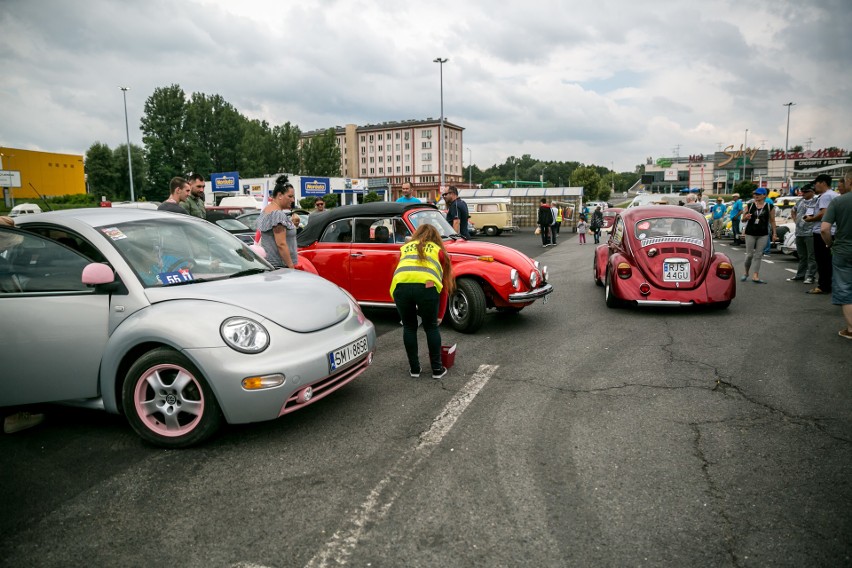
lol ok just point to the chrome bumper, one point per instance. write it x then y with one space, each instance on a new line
663 303
522 297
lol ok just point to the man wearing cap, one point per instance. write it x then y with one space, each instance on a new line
736 215
838 216
719 217
822 187
805 236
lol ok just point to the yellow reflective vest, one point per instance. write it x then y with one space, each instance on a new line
558 214
412 270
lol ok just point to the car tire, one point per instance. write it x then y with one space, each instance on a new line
609 295
595 271
467 306
163 412
490 231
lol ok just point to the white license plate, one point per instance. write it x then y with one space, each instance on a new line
676 271
340 357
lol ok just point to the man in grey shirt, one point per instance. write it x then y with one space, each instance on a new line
178 192
804 236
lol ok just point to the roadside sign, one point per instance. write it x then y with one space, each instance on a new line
10 178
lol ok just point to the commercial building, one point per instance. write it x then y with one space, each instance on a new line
30 174
719 172
392 153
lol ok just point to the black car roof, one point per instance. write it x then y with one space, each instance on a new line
319 221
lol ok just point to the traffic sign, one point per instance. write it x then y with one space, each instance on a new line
10 178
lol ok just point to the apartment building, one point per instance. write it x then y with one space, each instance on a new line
392 153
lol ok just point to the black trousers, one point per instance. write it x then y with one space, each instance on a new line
414 300
823 259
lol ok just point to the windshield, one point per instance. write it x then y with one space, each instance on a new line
673 227
434 218
164 251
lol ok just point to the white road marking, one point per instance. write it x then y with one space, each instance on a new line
339 547
793 270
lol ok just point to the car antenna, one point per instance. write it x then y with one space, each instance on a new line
46 204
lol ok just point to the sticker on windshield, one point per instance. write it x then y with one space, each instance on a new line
183 275
114 233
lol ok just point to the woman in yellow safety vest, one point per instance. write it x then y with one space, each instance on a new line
421 284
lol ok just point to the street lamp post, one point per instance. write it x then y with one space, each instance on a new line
441 62
127 131
787 144
469 167
745 147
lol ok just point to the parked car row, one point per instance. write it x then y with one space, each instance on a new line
181 326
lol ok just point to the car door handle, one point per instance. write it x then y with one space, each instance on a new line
356 254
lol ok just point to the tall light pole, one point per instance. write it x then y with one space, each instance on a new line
745 146
441 143
469 167
127 131
787 144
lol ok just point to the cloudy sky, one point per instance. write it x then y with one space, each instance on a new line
602 82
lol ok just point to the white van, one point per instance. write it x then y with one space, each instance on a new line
491 215
24 209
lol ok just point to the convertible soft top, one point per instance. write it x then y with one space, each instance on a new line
319 221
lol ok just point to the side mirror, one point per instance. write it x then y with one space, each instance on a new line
258 250
97 273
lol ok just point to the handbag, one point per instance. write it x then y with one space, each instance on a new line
538 230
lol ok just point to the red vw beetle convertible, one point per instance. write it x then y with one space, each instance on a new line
662 255
357 248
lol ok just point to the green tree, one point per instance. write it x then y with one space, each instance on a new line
226 132
164 136
101 170
140 181
745 188
589 179
258 150
321 155
198 128
371 196
286 138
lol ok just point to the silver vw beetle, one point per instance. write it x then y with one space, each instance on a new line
169 320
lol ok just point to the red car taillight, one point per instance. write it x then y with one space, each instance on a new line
724 270
623 270
645 288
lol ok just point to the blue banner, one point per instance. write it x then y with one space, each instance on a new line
226 181
317 186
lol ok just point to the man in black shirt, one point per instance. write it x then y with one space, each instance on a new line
178 192
457 212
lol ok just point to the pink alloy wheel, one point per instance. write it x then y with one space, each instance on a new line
169 400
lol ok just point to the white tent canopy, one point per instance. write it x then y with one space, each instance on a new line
549 192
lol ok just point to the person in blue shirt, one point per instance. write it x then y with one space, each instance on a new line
718 212
406 195
736 214
457 212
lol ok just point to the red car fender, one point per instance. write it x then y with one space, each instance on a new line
306 265
495 278
602 257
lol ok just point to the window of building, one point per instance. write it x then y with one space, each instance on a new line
408 169
397 136
372 171
398 169
363 171
380 136
427 168
363 149
372 159
371 138
381 170
426 145
406 135
407 146
426 134
426 156
381 159
398 148
363 138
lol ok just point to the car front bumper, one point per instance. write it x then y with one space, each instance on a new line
530 295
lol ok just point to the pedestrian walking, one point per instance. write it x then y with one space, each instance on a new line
719 211
421 284
759 218
581 230
838 215
597 224
544 221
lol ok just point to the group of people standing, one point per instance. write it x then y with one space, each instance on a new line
549 221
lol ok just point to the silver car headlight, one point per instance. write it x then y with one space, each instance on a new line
244 335
544 273
513 276
533 278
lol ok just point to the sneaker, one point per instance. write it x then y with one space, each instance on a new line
794 278
809 280
439 374
21 421
845 333
414 374
816 290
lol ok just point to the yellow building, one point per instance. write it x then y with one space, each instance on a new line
49 173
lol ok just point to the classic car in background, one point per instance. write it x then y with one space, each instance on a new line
662 255
357 248
168 320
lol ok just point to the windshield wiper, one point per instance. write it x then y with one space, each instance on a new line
247 272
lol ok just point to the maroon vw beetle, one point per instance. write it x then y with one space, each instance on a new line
662 255
357 248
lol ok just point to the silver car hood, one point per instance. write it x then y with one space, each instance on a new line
293 299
